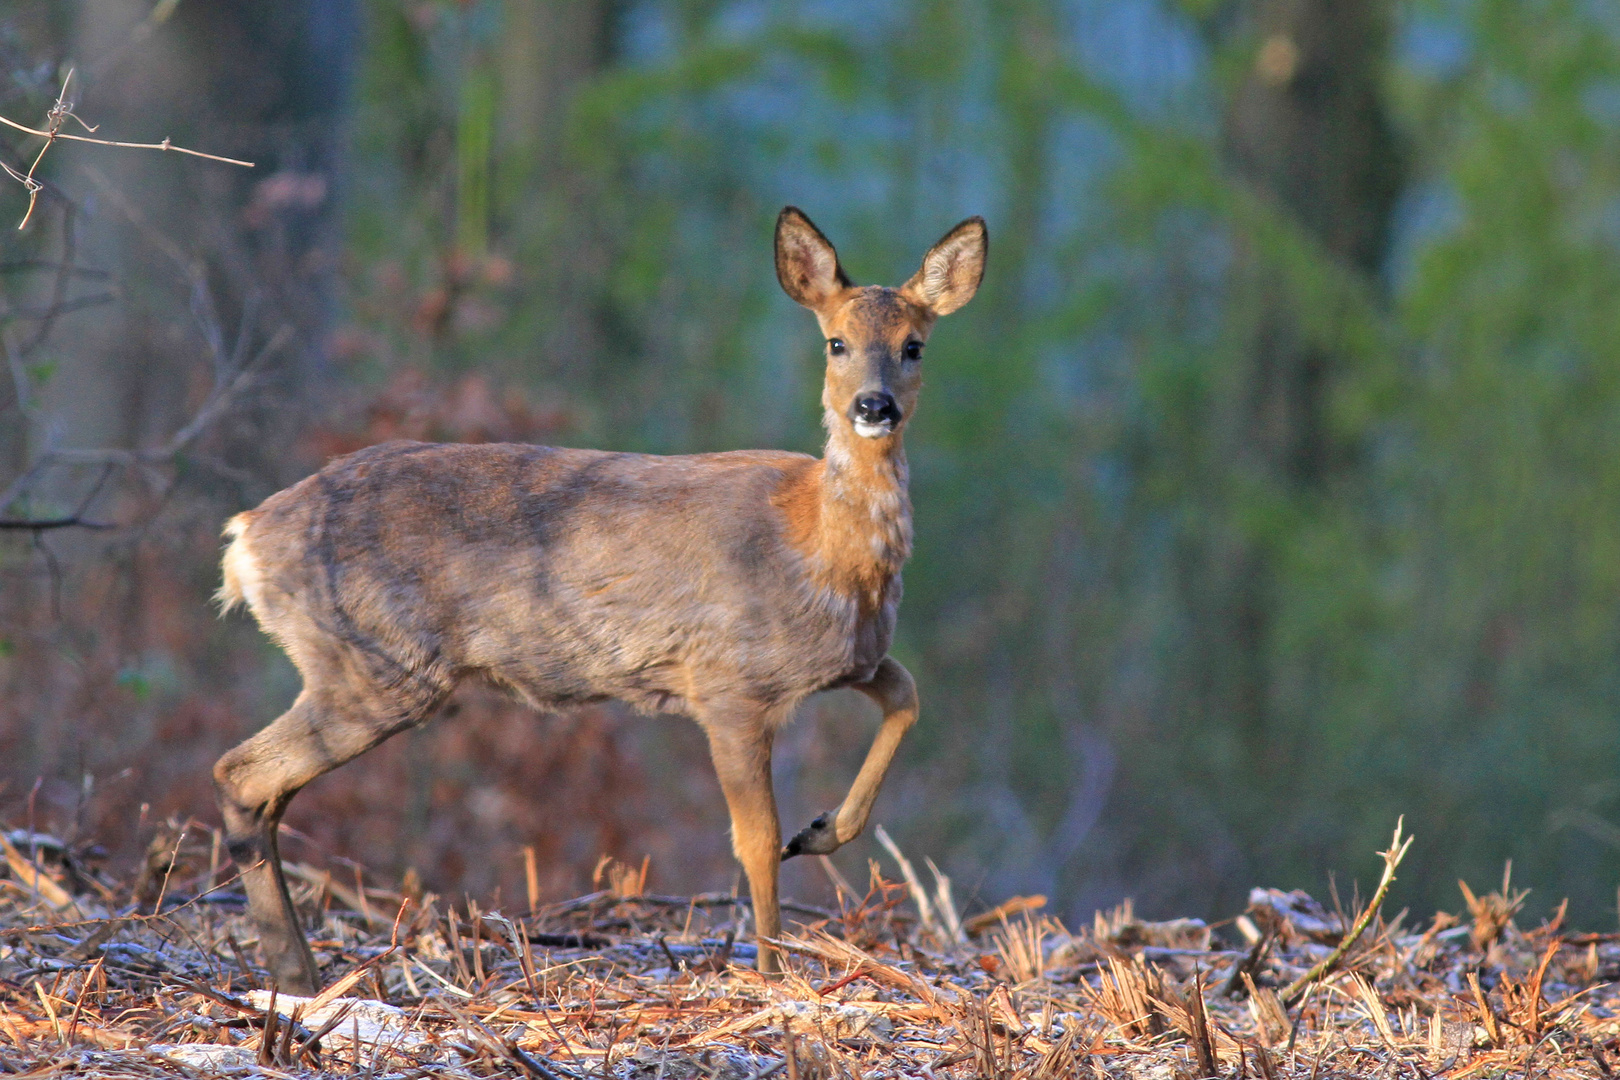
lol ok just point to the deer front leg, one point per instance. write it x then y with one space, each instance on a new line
740 744
895 692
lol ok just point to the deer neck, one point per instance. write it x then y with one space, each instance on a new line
863 528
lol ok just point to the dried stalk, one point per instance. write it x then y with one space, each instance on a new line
1392 858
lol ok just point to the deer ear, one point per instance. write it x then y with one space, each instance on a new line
952 269
806 264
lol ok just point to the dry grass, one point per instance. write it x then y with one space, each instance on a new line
624 984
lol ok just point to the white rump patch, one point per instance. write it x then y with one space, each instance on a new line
243 577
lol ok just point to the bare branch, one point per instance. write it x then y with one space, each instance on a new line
45 524
59 115
19 377
164 145
59 288
221 398
75 520
63 307
215 406
233 372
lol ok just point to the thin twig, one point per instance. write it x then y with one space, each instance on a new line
58 115
1392 858
164 145
215 406
46 524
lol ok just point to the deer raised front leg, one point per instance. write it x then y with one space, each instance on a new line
895 692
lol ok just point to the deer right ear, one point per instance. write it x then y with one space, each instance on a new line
806 264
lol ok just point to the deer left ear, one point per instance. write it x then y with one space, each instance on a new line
952 269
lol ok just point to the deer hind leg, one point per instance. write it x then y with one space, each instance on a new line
740 744
257 779
895 692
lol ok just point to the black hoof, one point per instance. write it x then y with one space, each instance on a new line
816 838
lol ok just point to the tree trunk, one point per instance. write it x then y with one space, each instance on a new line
1307 129
547 202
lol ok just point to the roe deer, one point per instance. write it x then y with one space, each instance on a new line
726 587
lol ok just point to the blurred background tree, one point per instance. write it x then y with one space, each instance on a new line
1266 492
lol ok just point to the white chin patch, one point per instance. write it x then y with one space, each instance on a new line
872 431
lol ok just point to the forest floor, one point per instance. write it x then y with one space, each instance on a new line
157 976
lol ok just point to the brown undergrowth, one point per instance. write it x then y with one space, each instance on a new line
157 976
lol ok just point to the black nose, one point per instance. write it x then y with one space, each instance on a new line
878 408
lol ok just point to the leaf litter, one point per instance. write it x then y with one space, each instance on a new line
158 977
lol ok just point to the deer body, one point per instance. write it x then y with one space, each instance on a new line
726 587
572 576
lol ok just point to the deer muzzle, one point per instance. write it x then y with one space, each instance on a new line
875 414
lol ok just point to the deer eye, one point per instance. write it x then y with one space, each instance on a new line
912 350
835 346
